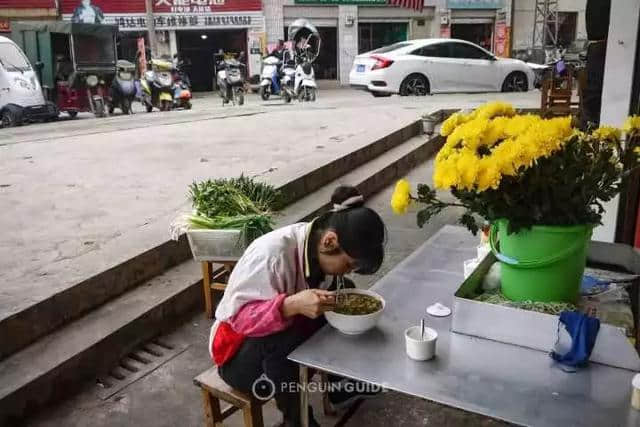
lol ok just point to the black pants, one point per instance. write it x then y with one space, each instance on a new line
268 356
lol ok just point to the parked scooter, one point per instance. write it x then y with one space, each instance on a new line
306 42
123 88
270 77
230 81
157 86
306 88
181 90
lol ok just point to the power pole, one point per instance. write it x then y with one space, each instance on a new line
151 28
545 26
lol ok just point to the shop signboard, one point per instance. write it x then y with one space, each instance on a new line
344 2
168 14
475 4
28 4
501 39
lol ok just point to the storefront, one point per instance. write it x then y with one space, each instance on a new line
195 29
24 10
348 28
483 22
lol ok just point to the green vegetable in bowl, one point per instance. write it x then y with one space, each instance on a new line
234 204
357 304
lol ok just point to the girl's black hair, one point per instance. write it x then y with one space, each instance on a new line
361 232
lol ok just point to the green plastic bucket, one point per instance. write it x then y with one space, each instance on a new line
544 263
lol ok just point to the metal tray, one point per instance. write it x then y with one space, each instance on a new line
539 330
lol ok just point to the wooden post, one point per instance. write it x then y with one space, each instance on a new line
304 396
206 288
212 413
253 415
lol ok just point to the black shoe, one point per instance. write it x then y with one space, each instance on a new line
350 392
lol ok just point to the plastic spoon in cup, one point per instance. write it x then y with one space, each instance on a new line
421 329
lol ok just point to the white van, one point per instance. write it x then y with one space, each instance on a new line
21 97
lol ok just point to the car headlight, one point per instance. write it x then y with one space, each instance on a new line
22 83
92 81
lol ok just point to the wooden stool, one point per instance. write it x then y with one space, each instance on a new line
214 389
214 281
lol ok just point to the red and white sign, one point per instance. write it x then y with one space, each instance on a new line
28 4
120 7
130 15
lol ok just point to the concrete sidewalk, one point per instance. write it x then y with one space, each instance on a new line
78 197
167 398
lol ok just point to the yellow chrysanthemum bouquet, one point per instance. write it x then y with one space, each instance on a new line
526 169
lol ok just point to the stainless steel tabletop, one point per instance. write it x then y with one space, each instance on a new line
503 381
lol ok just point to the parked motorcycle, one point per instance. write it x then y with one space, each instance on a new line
230 81
181 89
123 88
157 86
306 42
270 77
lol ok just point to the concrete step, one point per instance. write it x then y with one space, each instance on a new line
92 345
102 276
55 365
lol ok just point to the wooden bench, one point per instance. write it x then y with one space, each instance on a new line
214 389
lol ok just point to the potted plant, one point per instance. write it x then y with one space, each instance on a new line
539 182
228 214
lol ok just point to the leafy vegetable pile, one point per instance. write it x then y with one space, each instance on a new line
554 308
234 204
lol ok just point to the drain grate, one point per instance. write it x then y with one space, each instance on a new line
138 364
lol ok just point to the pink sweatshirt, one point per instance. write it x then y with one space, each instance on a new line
260 318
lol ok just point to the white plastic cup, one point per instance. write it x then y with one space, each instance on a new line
417 348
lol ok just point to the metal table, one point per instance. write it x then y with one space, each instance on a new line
502 381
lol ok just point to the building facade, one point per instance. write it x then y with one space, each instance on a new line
194 29
21 10
571 22
347 28
351 27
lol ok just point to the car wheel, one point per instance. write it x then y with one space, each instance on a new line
72 113
515 82
415 85
10 117
380 94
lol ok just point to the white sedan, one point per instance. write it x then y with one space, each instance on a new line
420 67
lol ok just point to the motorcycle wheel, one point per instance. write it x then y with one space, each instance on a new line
99 108
148 106
239 95
165 106
126 106
286 97
73 114
264 93
312 95
112 108
187 105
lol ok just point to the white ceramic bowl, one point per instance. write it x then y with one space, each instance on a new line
355 324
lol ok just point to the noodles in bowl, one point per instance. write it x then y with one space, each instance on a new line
357 311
